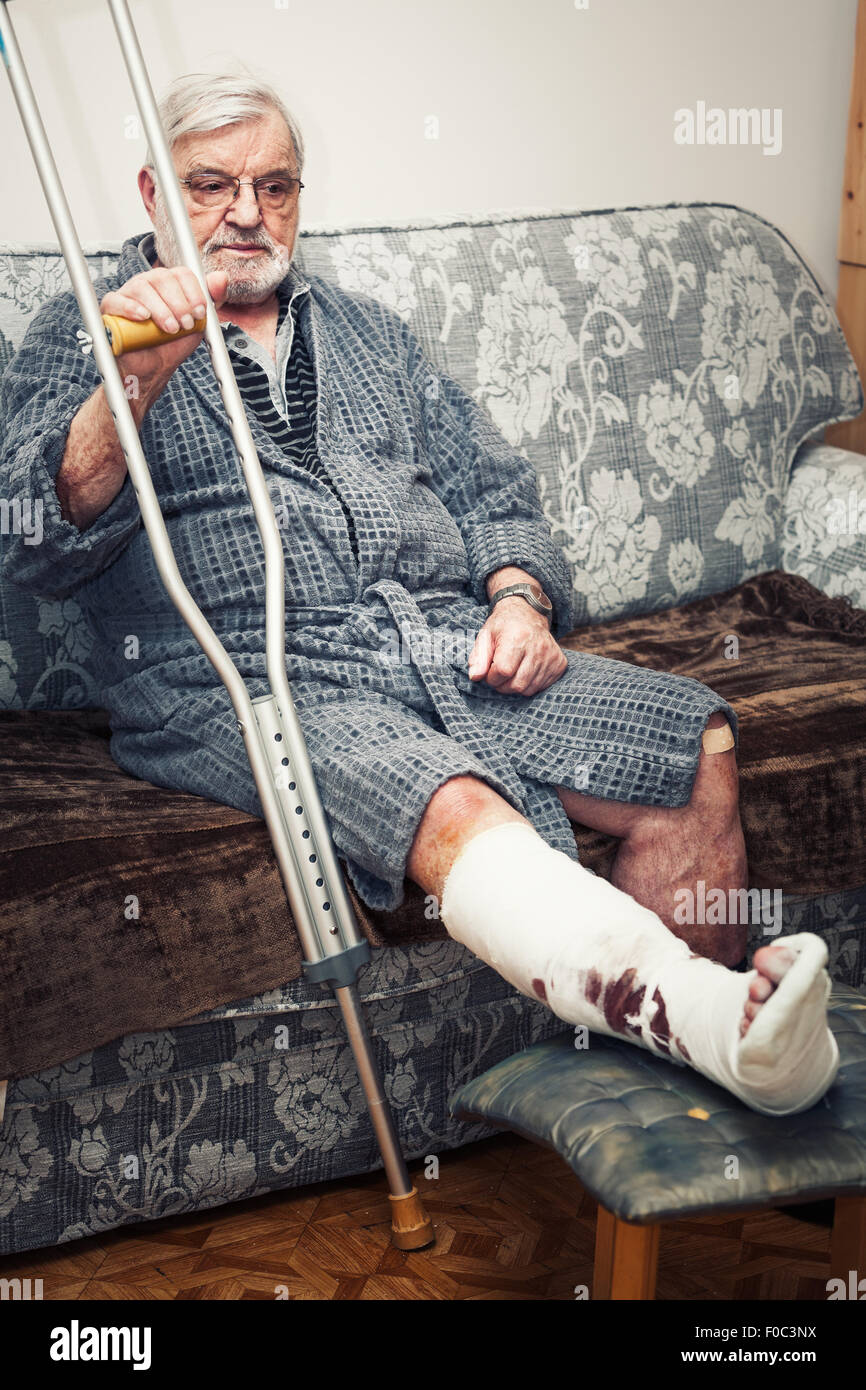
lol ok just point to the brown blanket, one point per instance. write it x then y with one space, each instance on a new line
127 907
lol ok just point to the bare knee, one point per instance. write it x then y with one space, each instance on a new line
459 798
458 810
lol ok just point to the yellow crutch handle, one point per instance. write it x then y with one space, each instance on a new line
132 335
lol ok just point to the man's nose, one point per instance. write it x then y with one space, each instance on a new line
244 211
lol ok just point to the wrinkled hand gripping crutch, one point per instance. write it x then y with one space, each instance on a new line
334 948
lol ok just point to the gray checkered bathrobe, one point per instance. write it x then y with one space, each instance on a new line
438 500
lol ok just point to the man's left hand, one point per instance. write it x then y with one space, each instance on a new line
515 651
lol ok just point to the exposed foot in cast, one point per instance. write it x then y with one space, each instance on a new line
772 964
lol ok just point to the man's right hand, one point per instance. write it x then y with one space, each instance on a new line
93 466
172 297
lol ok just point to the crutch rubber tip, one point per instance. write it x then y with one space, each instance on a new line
411 1227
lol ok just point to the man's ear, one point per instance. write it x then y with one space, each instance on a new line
147 189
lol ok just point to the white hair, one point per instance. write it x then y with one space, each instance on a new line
200 101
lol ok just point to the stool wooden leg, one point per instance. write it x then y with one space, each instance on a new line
848 1242
626 1258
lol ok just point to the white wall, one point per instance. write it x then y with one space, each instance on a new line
540 104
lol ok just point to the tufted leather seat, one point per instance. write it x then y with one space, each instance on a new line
653 1141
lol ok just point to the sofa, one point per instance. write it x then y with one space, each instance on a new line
670 372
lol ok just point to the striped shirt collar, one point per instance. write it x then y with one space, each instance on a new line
291 287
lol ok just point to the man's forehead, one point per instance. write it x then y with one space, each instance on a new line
266 142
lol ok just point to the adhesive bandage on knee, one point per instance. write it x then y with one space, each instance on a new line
597 957
717 740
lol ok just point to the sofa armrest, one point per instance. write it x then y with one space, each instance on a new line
824 521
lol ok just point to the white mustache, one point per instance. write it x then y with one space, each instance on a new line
260 245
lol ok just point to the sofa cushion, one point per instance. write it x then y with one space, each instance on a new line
130 908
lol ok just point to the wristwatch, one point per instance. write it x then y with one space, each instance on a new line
533 593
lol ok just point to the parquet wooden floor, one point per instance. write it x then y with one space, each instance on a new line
512 1222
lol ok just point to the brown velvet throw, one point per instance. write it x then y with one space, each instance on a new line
129 908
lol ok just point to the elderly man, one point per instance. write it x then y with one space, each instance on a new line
405 515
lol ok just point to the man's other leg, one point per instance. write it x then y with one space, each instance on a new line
667 849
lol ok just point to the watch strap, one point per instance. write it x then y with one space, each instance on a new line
523 591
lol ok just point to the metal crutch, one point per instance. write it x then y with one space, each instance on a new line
334 948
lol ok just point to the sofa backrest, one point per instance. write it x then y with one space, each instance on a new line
659 366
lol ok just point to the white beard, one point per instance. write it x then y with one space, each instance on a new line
248 283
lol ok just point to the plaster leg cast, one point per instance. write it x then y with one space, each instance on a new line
597 957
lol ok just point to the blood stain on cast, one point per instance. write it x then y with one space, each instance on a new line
593 986
623 997
661 1029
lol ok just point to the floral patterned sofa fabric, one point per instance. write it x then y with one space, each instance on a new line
44 644
824 521
262 1096
659 366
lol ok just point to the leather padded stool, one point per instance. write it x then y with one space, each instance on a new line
652 1141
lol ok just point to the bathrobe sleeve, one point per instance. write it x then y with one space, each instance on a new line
43 388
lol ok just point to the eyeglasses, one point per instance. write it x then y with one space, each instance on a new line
274 192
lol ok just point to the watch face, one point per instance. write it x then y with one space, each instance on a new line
540 595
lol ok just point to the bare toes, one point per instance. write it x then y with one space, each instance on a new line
751 1009
774 962
760 989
